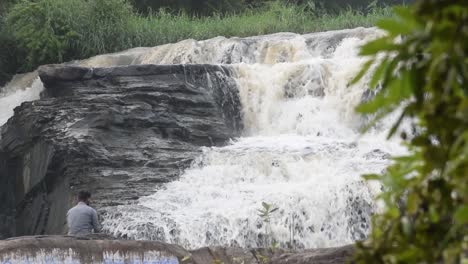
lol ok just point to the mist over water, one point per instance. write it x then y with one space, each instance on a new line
301 148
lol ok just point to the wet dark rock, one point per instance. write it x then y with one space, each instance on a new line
118 132
58 249
377 154
316 256
7 204
359 213
327 43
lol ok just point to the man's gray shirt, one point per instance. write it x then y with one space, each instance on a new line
82 220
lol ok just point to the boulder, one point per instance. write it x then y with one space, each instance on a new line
317 256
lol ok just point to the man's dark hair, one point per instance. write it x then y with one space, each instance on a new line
84 195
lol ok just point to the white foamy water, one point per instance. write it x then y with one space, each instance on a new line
301 149
13 96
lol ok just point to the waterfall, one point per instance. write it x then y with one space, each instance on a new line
301 148
301 151
24 88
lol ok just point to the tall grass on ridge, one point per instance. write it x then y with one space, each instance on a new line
55 31
162 27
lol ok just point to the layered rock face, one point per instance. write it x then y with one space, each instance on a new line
118 132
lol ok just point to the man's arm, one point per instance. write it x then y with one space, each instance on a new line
95 222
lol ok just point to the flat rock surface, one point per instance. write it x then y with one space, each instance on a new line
58 249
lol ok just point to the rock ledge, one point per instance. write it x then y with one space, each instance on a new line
59 249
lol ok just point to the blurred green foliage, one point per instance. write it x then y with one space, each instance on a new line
422 68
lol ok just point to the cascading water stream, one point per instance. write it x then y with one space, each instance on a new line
13 95
301 149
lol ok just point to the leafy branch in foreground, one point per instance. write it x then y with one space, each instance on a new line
425 66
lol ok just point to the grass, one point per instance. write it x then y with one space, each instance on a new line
162 28
77 29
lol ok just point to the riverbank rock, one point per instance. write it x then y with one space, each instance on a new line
66 249
118 132
316 256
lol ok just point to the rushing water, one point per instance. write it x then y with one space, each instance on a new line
301 150
27 89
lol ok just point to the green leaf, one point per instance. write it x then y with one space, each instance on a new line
374 120
413 203
378 73
397 124
404 13
394 27
378 45
369 177
378 103
461 215
393 212
434 215
406 225
362 72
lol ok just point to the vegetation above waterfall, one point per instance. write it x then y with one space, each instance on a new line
424 72
209 7
39 32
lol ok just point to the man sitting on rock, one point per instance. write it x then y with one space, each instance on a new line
82 219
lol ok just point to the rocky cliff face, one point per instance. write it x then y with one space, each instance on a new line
118 132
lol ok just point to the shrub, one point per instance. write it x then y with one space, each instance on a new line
54 31
5 4
426 215
11 58
45 29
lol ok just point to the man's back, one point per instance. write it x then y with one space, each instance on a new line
82 220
